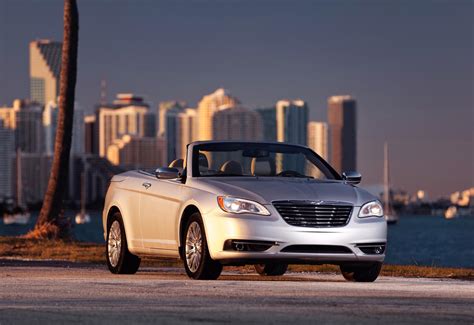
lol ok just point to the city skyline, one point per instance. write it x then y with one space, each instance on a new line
411 80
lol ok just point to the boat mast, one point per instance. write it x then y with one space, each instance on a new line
83 191
386 180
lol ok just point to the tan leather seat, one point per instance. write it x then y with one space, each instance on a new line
177 163
232 167
264 166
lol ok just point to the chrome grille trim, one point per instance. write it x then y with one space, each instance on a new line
314 214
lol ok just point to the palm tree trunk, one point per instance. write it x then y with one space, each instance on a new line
51 222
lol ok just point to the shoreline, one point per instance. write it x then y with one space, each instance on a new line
20 249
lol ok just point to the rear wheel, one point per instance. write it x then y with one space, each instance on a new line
271 269
197 261
119 259
365 273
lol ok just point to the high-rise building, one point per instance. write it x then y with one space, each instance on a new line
133 152
180 131
29 131
318 138
291 123
318 141
50 117
26 119
50 122
45 68
91 135
97 173
126 116
210 104
7 147
163 108
237 123
268 117
35 170
342 119
8 114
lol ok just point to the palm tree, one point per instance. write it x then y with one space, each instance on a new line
51 222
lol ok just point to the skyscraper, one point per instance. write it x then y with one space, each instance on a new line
29 132
237 123
50 121
91 135
45 67
164 107
268 117
210 104
180 131
8 115
7 145
133 152
318 141
342 118
127 115
291 123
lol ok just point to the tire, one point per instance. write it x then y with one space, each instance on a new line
197 261
119 259
271 269
367 273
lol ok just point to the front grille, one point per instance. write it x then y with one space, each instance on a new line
317 249
312 214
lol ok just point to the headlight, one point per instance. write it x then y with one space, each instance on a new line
371 209
235 205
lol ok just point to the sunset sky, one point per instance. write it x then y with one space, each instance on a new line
409 64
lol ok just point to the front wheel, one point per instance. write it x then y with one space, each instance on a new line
271 269
119 259
197 261
366 273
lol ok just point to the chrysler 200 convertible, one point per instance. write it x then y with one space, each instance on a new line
237 203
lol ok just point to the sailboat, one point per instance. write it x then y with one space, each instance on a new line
390 215
17 214
83 217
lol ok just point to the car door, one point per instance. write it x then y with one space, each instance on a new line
159 208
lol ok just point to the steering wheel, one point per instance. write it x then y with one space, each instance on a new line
289 173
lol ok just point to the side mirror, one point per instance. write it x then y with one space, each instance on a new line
352 177
167 173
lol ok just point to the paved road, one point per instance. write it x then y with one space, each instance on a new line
37 292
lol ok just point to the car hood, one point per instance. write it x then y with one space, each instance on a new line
266 190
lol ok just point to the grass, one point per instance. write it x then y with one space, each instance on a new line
22 248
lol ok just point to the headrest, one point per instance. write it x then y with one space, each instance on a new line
203 162
264 166
177 163
232 167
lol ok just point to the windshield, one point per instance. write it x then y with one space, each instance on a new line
259 159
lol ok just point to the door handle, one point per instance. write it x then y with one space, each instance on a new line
146 185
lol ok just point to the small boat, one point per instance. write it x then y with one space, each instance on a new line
451 212
18 216
455 211
83 217
390 215
16 213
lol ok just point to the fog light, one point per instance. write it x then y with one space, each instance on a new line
372 249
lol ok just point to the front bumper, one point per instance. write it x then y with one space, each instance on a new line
221 227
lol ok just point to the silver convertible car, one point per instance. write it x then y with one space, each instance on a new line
237 203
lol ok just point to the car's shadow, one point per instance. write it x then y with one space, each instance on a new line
238 276
173 272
